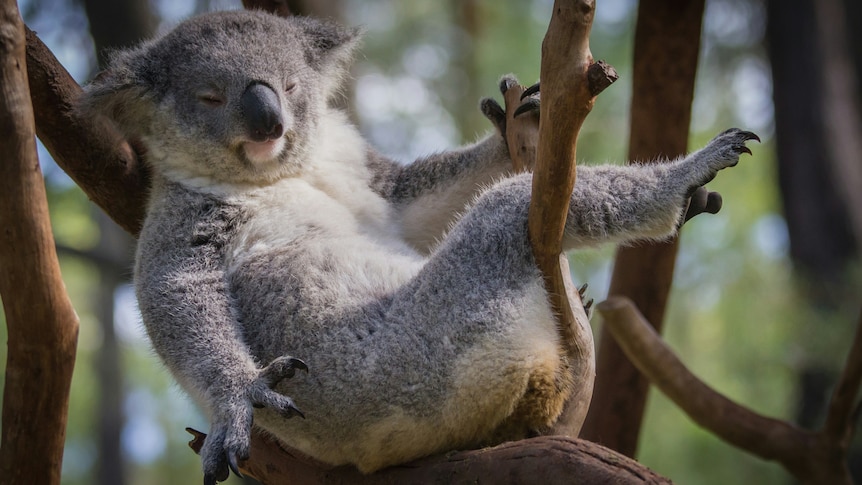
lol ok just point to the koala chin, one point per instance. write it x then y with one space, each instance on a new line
276 239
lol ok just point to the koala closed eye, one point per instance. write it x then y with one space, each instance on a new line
210 98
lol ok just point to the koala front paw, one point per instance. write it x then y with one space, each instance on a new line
229 440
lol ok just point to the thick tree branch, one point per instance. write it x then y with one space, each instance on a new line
812 457
667 42
548 460
93 153
42 326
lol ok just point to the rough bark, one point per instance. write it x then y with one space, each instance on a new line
568 96
547 460
813 457
667 40
42 326
93 153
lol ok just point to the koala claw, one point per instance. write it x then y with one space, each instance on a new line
529 106
588 308
534 89
263 394
739 137
280 369
583 290
233 464
531 101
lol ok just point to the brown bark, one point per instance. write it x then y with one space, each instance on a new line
567 98
94 154
814 457
42 326
547 460
667 40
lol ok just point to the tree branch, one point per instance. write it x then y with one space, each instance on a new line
93 153
548 460
42 325
812 457
567 98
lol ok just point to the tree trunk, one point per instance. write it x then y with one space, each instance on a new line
42 325
667 41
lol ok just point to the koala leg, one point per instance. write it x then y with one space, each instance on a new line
624 203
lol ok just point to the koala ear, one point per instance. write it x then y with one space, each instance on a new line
329 48
121 93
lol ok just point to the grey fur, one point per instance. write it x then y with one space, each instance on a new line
424 330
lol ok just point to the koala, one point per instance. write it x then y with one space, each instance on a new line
277 240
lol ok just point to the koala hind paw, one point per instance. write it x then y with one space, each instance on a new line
729 145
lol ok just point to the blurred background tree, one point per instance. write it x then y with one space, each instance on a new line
766 292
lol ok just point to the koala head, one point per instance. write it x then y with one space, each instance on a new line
227 97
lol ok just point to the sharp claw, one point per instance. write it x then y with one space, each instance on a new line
582 290
530 91
588 305
298 364
234 466
745 149
293 411
751 136
528 106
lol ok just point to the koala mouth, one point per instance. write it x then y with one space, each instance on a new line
263 151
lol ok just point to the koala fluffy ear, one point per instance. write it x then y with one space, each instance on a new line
120 93
329 48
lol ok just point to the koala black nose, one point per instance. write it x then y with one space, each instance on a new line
261 111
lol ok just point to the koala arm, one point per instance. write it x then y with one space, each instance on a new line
430 193
185 303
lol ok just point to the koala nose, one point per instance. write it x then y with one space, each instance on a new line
261 111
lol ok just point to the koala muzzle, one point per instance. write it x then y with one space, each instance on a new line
261 112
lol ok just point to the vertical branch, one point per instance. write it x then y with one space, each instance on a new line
667 41
41 323
567 99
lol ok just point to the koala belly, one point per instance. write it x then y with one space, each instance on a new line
408 355
404 373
